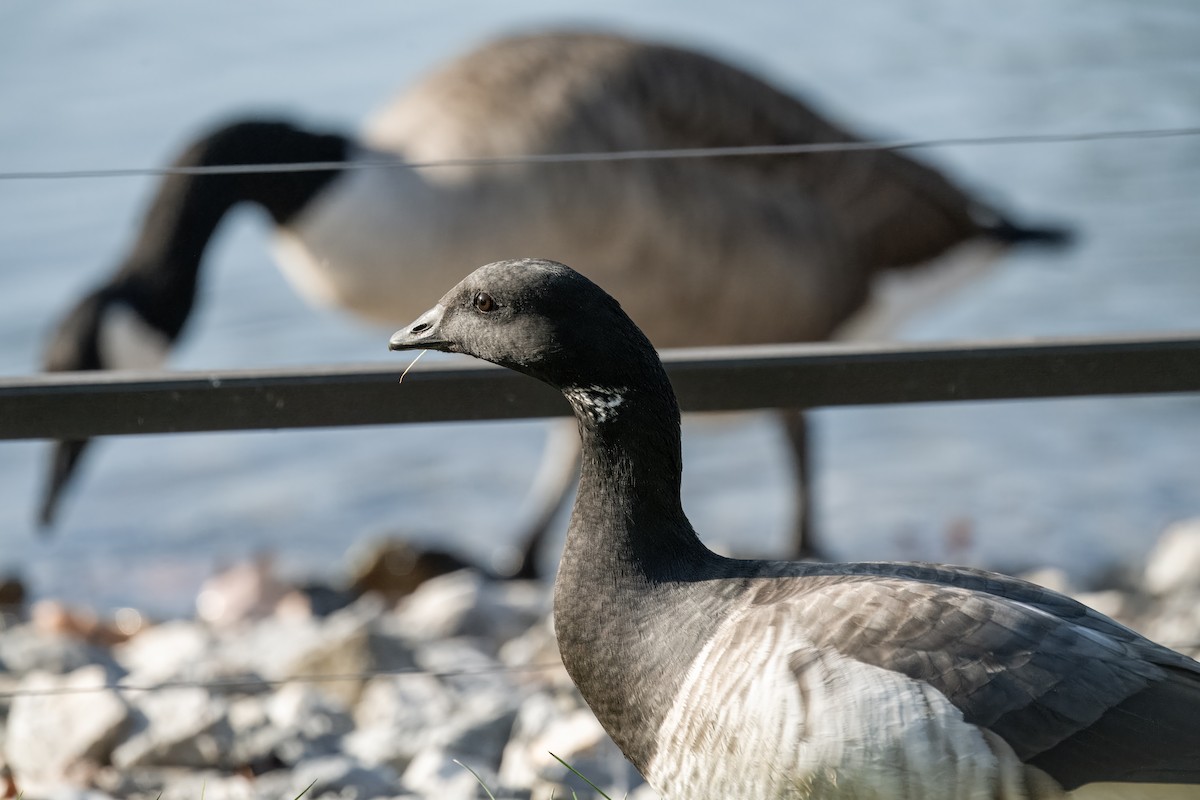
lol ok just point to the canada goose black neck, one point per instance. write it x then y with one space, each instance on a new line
135 316
158 278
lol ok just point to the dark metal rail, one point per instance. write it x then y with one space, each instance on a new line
85 404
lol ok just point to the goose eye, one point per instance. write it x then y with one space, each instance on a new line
484 302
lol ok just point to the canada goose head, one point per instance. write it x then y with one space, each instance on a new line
540 318
131 321
104 330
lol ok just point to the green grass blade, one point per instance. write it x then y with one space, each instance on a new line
306 788
582 777
476 774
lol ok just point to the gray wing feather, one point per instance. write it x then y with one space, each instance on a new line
1072 691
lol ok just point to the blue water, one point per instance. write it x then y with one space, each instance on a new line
1084 484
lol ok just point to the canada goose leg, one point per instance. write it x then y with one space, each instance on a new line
556 477
795 423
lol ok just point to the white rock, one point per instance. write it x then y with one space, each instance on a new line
1052 578
466 667
276 648
479 732
347 643
543 730
1174 563
344 778
377 746
281 649
411 702
474 735
434 773
177 727
256 742
535 661
465 603
1176 622
1109 602
245 590
74 793
24 649
394 716
301 707
285 728
644 792
181 784
519 765
177 650
49 734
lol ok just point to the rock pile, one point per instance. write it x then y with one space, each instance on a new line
456 686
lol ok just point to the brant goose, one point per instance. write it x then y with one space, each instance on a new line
725 678
812 230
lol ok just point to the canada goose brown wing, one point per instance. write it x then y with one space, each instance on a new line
583 92
895 211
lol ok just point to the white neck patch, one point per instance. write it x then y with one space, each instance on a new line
126 341
598 403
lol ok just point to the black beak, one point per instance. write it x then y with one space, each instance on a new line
62 467
423 334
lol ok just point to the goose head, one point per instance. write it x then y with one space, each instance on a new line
107 329
540 318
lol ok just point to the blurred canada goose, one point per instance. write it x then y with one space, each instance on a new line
702 252
724 678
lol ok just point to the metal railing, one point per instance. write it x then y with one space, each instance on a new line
85 404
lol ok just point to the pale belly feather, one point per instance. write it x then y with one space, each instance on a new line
764 714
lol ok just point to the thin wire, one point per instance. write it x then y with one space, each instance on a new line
620 155
259 683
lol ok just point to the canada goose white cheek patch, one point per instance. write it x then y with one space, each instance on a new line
126 341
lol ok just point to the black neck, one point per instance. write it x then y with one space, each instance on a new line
159 275
631 556
630 479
